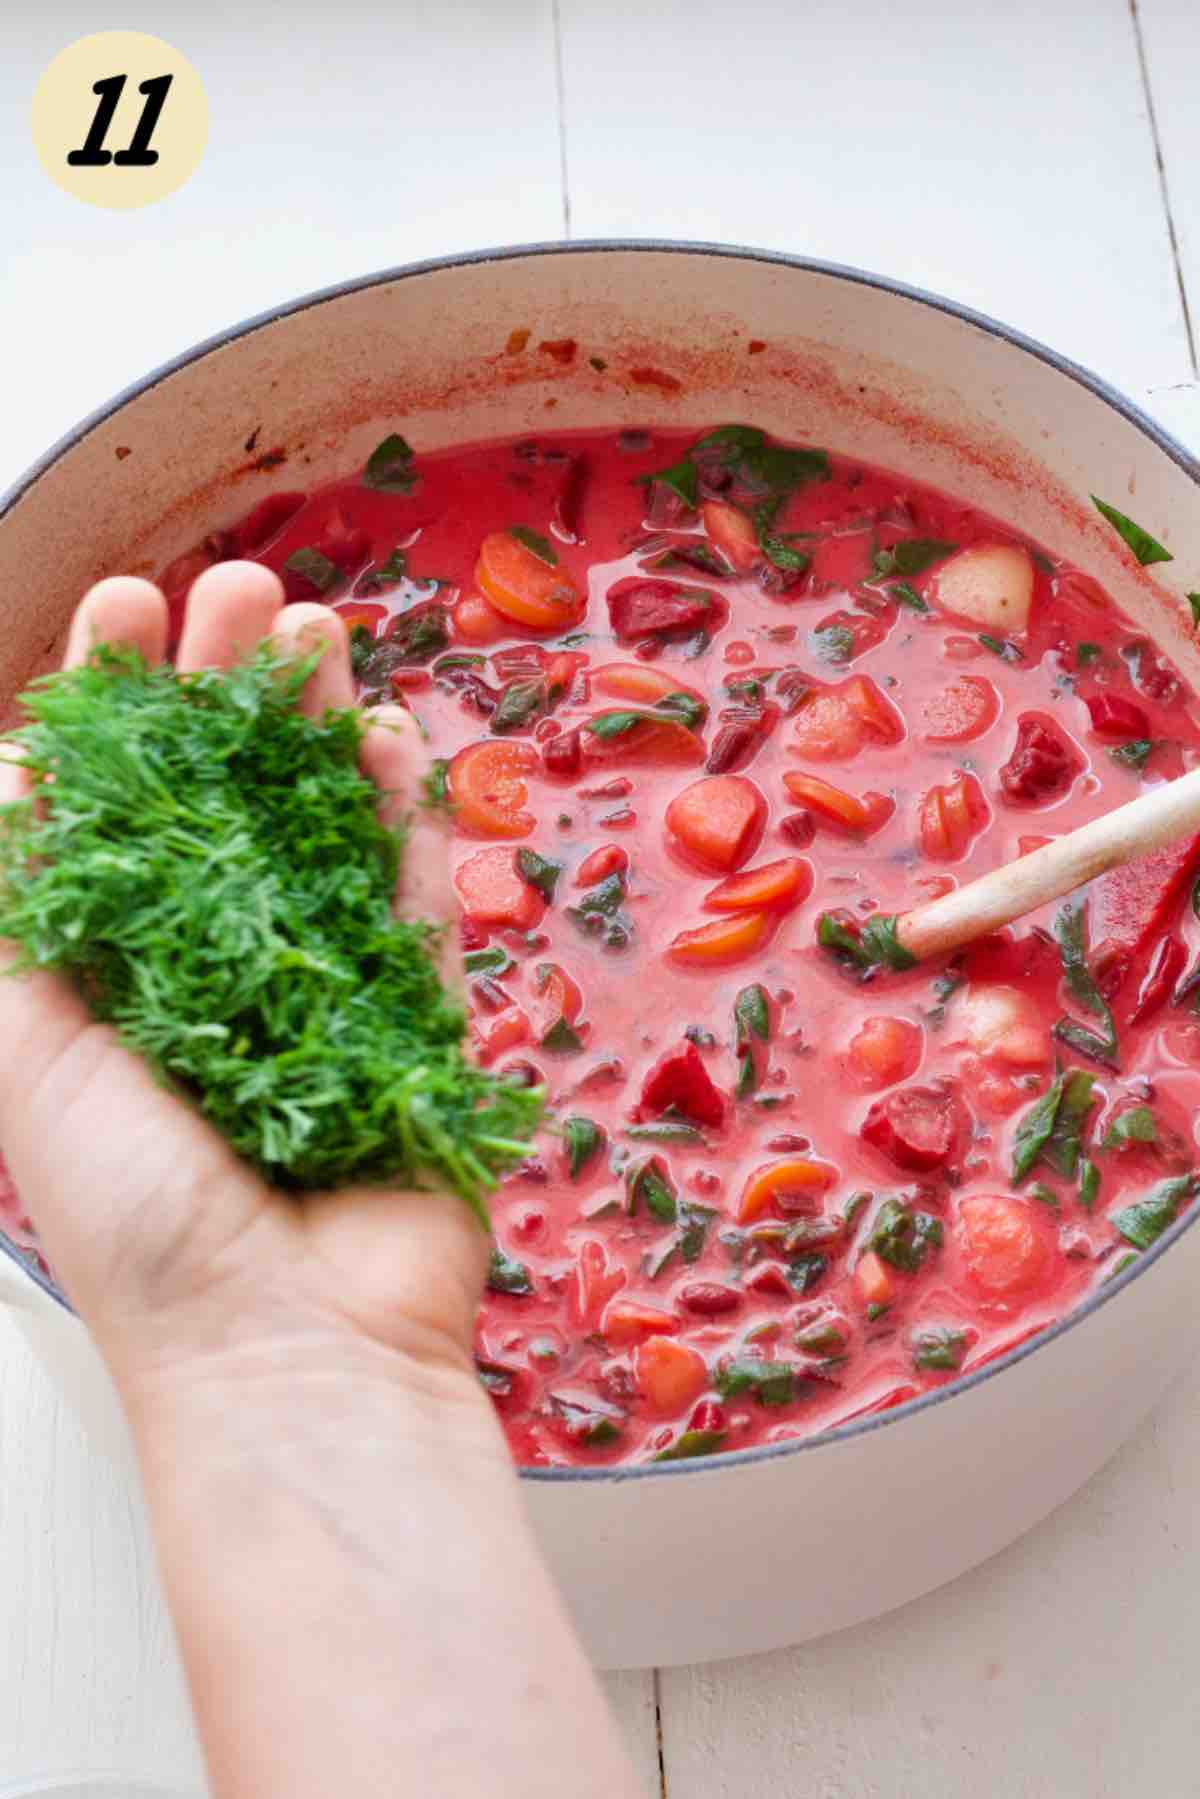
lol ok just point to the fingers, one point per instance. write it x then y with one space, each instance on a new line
304 627
230 609
394 757
122 610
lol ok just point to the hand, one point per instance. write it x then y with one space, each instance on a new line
173 1251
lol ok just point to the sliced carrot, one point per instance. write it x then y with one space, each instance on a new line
885 1049
1004 1244
796 1175
476 620
861 817
361 612
725 940
609 859
628 1321
492 1037
950 817
493 892
826 728
537 594
669 1374
718 821
872 1281
639 682
651 741
559 996
877 715
486 784
961 711
782 883
731 531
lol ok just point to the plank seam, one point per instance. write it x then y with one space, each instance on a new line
560 90
658 1735
1163 184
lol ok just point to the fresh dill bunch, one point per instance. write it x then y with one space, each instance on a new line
211 869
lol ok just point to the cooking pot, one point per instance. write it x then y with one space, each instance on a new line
684 1561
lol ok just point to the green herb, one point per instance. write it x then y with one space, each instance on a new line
389 466
1134 754
607 725
1045 1196
907 596
695 1221
682 478
1002 647
882 944
854 1206
833 643
781 554
691 555
844 945
1086 653
1146 548
685 707
682 708
939 1349
771 1383
314 567
692 1443
362 643
746 1084
1033 1132
436 784
821 1339
1134 1126
605 897
588 1421
904 1237
749 689
1120 1266
495 961
1144 1222
1042 562
538 872
1069 931
1063 1150
751 1015
507 1276
912 557
1193 600
1089 1183
803 1272
561 1039
944 988
645 1181
761 465
875 1310
393 570
665 1130
541 546
415 636
519 704
243 938
584 1140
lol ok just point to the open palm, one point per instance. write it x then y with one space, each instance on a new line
168 1245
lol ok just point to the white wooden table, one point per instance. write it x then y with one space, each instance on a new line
1039 160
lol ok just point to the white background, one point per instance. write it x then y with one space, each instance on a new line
1038 160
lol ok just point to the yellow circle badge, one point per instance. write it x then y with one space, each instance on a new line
120 119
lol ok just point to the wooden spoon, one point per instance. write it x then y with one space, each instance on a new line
1145 824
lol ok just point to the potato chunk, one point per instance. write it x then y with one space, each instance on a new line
990 583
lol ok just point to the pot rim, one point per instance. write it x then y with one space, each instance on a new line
1162 440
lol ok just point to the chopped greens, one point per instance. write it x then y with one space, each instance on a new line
508 1276
1144 1222
1146 549
1051 1129
1086 653
908 596
904 1237
390 466
833 643
562 1039
538 872
1134 754
494 961
863 951
1069 929
541 546
911 557
584 1140
1134 1126
314 567
692 1443
1003 647
751 1015
940 1350
243 940
771 1383
436 784
1193 600
646 1183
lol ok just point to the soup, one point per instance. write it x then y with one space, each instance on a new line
701 709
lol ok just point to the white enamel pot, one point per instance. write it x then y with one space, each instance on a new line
692 1560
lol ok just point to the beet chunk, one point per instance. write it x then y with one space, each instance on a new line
1042 765
1113 716
659 608
680 1080
914 1127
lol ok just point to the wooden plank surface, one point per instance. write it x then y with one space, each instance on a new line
998 154
1170 40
